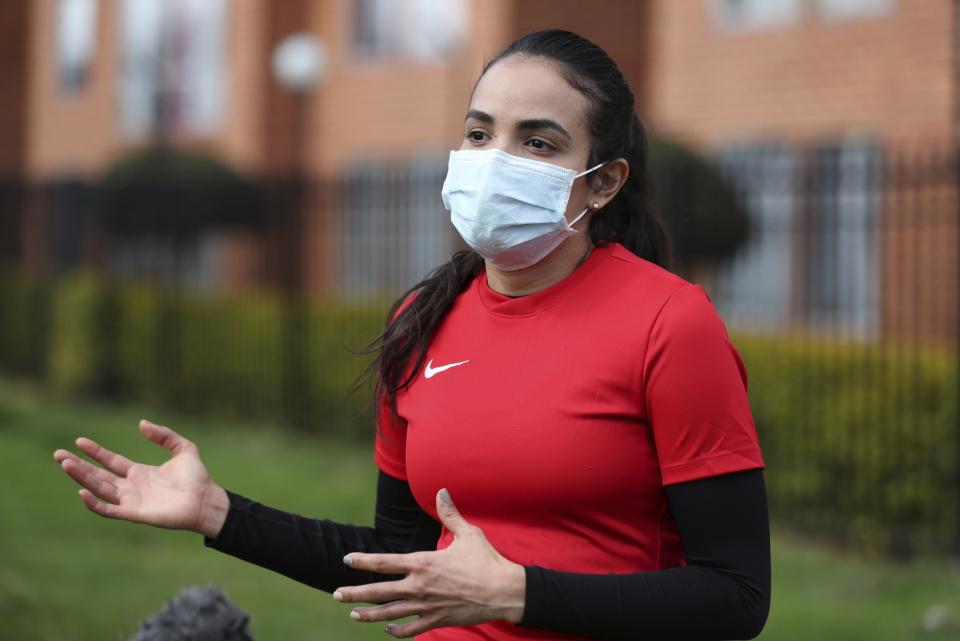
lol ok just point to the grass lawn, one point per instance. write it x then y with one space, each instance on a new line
68 574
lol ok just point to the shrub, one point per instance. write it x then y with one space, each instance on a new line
860 440
176 194
229 355
134 359
76 353
24 331
707 221
338 333
226 355
217 355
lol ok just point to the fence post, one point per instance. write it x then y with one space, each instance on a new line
955 159
294 332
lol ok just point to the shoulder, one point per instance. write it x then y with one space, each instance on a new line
643 285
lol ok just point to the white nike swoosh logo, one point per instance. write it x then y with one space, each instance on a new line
431 370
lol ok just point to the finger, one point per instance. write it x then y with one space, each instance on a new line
60 455
418 626
388 611
383 563
96 480
165 437
114 462
382 592
450 516
108 510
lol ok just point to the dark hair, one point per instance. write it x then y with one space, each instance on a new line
629 218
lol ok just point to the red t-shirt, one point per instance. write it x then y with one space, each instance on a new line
556 419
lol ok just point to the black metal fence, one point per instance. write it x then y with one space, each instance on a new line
844 304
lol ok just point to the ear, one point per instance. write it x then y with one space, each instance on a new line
610 178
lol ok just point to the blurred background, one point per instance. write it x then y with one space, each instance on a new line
207 207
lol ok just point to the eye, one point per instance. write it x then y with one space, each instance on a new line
476 135
540 145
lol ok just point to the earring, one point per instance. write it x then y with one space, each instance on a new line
595 206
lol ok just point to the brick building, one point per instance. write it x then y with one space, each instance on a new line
837 119
783 94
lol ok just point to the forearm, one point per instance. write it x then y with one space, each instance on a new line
307 550
723 592
688 603
311 550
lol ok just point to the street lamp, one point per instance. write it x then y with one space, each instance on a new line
299 66
300 62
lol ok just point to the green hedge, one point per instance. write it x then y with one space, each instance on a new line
860 441
24 302
76 358
136 362
222 355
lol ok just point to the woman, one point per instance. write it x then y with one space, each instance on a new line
583 405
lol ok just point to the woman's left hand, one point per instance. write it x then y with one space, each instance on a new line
466 583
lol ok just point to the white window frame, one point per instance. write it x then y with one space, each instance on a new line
836 10
842 285
176 48
753 289
750 15
393 225
76 42
408 29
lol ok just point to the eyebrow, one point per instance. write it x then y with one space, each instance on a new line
528 124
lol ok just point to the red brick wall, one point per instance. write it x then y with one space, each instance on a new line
620 27
892 76
892 79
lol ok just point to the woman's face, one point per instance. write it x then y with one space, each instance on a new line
524 107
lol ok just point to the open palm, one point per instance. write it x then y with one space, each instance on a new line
172 495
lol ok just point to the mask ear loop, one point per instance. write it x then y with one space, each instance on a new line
574 221
585 209
594 168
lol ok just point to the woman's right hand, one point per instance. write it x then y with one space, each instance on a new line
178 494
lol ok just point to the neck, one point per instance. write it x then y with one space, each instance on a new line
553 268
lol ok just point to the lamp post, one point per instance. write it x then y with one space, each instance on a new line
299 65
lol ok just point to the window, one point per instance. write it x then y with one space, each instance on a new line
840 249
750 14
173 66
811 253
395 229
421 29
754 288
842 9
76 39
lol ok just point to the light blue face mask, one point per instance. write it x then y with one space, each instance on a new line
508 209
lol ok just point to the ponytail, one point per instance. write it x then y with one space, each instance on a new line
411 323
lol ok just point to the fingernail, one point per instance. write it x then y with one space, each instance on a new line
354 615
338 595
388 629
347 561
445 497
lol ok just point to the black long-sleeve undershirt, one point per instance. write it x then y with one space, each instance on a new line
723 592
311 550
